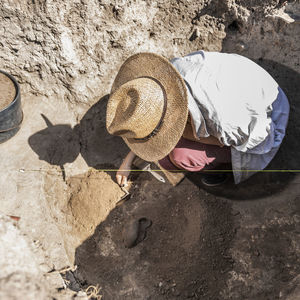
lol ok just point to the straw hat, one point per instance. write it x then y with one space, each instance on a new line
148 106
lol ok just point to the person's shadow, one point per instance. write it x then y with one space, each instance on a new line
56 144
60 144
97 146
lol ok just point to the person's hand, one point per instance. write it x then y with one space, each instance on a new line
124 170
123 173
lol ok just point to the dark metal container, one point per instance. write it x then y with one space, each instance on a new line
11 116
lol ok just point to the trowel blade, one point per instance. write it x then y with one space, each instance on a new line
153 173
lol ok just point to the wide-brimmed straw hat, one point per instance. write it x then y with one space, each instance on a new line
148 106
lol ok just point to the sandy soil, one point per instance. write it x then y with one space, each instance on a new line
92 196
230 242
200 246
8 91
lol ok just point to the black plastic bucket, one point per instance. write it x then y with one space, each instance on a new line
11 116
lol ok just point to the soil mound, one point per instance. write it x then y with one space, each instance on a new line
92 196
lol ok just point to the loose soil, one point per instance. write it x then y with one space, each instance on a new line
185 253
92 196
199 246
8 91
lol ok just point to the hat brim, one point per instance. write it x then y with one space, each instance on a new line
155 66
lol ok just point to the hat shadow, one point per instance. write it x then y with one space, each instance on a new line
98 147
56 144
60 144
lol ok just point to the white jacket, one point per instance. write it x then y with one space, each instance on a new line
235 100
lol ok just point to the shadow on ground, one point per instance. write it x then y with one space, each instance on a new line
61 144
185 253
98 147
198 247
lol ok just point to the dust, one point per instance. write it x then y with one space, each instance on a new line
7 91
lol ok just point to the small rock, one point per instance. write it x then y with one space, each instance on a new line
240 47
195 34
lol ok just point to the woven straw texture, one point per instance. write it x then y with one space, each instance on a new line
139 101
155 67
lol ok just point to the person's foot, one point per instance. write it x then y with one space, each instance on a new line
214 179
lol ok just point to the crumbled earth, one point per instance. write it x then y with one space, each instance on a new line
229 242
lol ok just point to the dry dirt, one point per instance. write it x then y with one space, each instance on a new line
199 246
230 242
8 91
185 254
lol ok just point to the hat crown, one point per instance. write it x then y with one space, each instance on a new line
135 109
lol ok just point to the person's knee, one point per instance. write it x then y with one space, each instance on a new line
181 158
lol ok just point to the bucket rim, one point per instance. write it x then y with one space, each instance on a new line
17 87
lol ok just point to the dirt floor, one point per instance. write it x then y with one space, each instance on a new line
228 242
199 246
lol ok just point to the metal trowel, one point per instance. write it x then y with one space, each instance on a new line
146 166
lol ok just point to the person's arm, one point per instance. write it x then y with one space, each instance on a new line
211 140
124 169
189 135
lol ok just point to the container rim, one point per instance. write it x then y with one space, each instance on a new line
17 87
